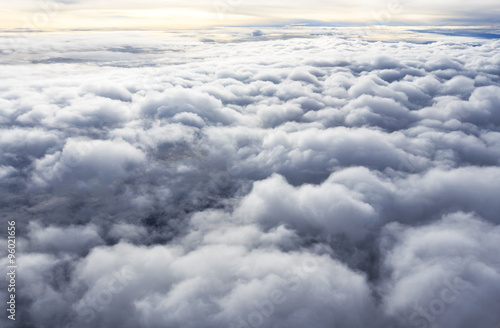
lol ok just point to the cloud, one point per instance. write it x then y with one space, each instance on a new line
446 267
57 239
252 181
112 91
184 101
235 13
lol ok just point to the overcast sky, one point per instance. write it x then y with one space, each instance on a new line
55 14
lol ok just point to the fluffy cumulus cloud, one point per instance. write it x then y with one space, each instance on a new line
254 179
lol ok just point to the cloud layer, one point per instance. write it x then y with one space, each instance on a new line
151 14
285 181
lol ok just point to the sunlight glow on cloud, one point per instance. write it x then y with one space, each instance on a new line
146 19
203 13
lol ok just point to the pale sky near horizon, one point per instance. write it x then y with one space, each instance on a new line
152 14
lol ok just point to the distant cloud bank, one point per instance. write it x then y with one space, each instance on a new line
168 14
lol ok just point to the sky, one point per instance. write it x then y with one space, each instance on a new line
157 14
261 175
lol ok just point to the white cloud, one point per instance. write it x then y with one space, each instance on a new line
265 181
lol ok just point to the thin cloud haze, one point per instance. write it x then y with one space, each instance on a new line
93 14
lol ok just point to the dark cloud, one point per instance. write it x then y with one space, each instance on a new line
319 181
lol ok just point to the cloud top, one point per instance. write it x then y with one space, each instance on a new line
265 182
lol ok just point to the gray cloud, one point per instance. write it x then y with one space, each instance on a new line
322 180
